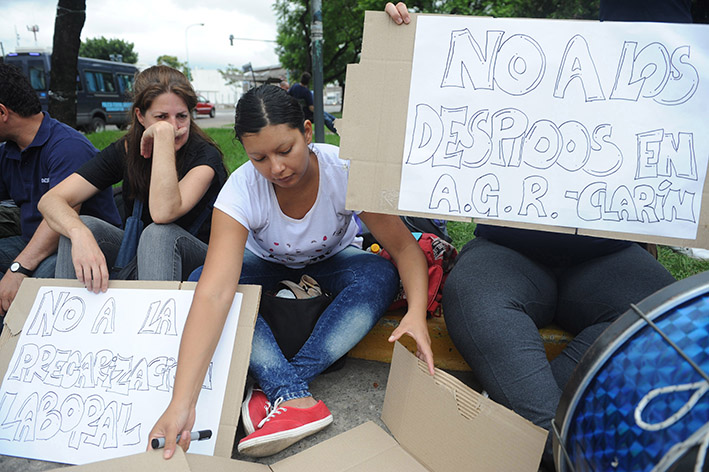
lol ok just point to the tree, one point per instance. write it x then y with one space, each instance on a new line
569 9
102 48
343 20
233 77
342 34
174 62
68 24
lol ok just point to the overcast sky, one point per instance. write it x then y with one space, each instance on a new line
157 27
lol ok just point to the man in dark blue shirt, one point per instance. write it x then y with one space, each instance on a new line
301 92
38 152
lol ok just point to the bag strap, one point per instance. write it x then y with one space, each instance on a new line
129 242
137 209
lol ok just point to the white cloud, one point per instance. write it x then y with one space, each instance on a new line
158 27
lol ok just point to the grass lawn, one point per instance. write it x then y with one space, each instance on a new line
234 154
679 265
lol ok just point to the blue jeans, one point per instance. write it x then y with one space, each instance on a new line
165 252
11 246
329 121
364 286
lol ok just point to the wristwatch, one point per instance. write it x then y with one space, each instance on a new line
16 267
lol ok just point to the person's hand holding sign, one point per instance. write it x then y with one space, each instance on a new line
399 13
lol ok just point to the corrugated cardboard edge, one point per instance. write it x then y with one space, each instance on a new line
238 369
373 128
456 417
231 409
180 462
150 460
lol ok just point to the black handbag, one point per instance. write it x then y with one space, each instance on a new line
292 319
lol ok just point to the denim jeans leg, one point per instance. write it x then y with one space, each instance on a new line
10 247
168 252
107 236
364 286
272 371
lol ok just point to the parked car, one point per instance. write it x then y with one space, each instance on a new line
204 107
102 88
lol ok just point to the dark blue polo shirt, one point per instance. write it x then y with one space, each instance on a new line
56 151
301 92
668 11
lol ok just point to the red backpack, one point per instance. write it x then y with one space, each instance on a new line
440 256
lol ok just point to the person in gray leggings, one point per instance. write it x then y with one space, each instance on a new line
508 283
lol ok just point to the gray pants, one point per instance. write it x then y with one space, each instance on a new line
495 300
165 252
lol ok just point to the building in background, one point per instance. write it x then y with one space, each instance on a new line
211 85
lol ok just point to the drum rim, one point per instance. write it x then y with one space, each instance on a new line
627 325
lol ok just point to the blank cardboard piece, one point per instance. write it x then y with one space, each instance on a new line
363 448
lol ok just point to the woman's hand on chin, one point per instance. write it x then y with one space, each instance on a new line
162 130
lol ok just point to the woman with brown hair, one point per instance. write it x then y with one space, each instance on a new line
168 165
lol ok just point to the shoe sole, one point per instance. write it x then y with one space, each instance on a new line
273 443
246 418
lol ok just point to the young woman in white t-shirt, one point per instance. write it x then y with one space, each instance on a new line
279 216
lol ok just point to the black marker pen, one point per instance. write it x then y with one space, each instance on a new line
158 443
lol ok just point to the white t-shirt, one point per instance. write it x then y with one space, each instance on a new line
324 231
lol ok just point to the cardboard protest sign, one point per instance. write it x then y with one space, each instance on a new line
574 126
91 373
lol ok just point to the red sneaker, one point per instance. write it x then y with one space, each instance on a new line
284 426
254 409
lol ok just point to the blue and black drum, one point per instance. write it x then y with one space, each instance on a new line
639 398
